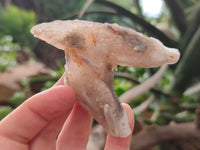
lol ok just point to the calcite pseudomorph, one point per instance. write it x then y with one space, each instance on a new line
92 51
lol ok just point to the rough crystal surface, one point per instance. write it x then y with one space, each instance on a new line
92 51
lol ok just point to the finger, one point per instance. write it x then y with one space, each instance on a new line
27 120
46 139
76 130
117 143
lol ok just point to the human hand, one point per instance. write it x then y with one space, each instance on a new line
53 120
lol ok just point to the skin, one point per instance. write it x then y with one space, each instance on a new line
50 115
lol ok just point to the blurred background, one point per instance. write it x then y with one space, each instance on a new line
165 100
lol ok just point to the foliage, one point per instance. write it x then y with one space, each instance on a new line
18 98
8 51
49 9
17 23
121 86
181 30
4 111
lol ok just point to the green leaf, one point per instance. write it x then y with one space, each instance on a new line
4 111
17 23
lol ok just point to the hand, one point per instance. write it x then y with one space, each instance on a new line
53 120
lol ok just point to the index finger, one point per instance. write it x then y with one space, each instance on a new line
33 115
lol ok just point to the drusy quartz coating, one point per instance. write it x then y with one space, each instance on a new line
92 51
